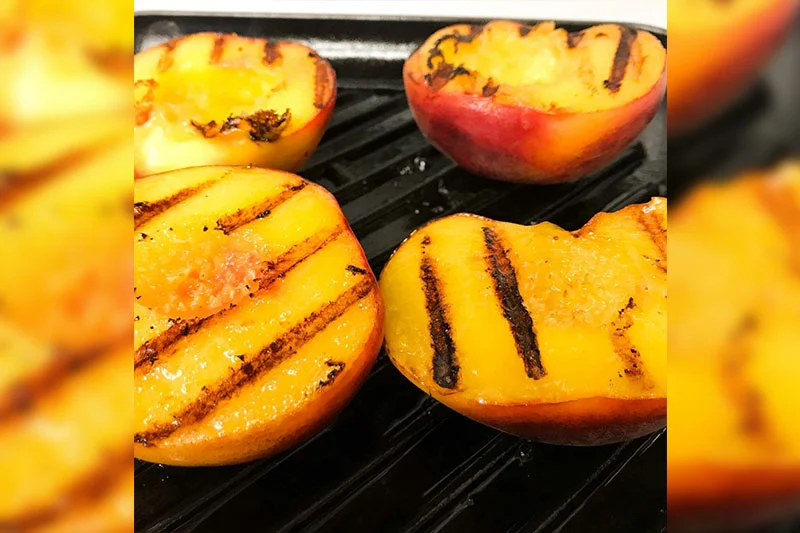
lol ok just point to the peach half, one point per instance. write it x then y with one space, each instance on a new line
256 314
222 99
551 335
534 104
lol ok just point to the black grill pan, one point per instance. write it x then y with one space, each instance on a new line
395 460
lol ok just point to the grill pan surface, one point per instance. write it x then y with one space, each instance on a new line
396 460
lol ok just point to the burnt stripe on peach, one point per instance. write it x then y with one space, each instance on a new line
256 364
622 56
510 301
155 349
625 349
445 364
229 223
144 212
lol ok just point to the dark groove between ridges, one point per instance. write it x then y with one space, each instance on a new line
510 301
144 212
601 477
445 363
229 223
622 56
488 462
187 519
372 133
256 364
152 350
315 516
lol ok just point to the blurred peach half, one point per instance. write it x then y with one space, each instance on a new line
717 49
222 99
534 104
734 351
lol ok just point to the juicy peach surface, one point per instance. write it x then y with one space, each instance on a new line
222 99
552 335
736 38
534 104
734 351
256 314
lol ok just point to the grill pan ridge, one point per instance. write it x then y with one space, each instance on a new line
396 460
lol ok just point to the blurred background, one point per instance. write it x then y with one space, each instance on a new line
734 313
65 266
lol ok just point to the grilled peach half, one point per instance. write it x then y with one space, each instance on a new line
551 335
734 348
222 99
534 104
256 314
737 38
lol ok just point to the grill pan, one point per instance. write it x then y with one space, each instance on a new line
396 460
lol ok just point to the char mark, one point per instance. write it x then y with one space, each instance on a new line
443 72
489 89
228 223
653 226
256 364
336 368
741 392
524 30
143 212
624 348
445 363
627 37
355 270
271 52
155 349
510 300
264 125
323 82
166 60
219 48
574 38
20 396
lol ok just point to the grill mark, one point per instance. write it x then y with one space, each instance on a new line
166 60
21 395
88 488
143 212
740 391
219 48
624 348
444 71
336 368
256 364
271 52
155 349
651 224
14 186
445 364
574 38
228 223
355 270
323 83
621 58
510 300
489 89
779 203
